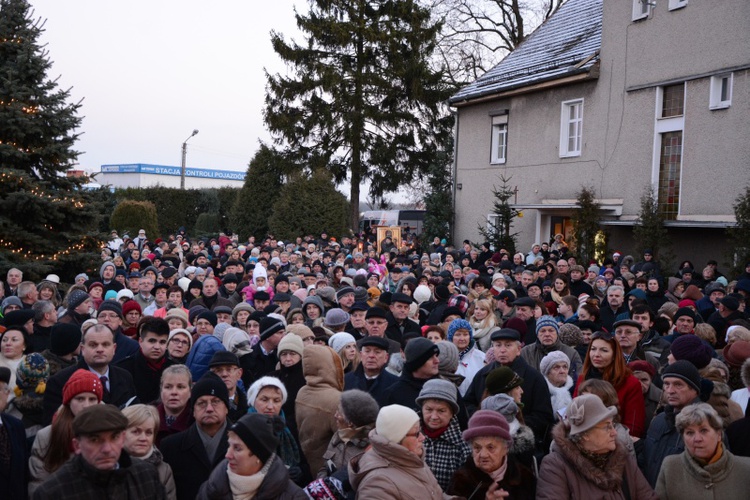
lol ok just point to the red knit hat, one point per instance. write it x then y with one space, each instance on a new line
131 305
82 381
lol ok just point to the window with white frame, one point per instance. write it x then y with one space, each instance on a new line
677 4
499 139
667 163
721 91
571 128
641 9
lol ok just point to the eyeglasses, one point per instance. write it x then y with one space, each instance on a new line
204 403
180 342
609 427
413 434
602 335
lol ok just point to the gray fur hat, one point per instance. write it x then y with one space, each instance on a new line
359 407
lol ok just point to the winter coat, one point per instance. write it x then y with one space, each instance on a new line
38 473
468 366
191 465
276 484
125 347
537 404
378 389
146 379
165 473
14 477
405 391
663 439
533 354
294 379
201 353
567 473
77 480
736 435
220 301
445 453
471 482
345 445
388 471
632 408
394 331
121 388
183 421
681 476
318 401
257 364
651 402
56 363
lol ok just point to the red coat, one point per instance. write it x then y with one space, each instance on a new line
632 405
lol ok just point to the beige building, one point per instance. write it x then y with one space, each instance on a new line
616 95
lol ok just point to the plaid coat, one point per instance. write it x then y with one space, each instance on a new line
446 453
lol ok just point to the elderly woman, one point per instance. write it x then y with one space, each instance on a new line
355 419
471 359
587 460
444 449
251 468
491 472
393 467
705 469
554 366
179 344
143 425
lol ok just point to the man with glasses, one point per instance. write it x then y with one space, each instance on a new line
110 314
193 453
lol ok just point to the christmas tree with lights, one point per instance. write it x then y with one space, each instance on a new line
48 221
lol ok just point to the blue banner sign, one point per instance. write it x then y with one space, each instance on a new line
141 168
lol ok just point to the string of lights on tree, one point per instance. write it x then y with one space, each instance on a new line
26 109
35 191
77 247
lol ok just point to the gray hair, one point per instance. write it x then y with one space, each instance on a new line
696 414
177 370
614 288
25 288
40 308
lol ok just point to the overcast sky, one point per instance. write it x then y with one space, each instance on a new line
149 72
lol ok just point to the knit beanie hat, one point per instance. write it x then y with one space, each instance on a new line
336 317
82 381
437 388
448 357
422 294
220 329
570 335
684 370
518 325
110 305
737 352
586 411
124 294
340 340
260 433
487 423
300 330
360 294
684 311
131 305
76 298
418 351
546 321
32 373
292 343
344 290
15 301
242 306
460 302
269 326
184 332
459 324
262 382
209 316
64 338
501 380
691 348
177 313
359 407
642 366
395 421
110 295
551 360
210 385
442 292
503 404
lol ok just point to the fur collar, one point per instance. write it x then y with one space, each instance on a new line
523 440
609 478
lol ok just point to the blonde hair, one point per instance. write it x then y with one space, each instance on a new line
706 332
139 414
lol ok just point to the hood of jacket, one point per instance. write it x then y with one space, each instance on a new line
313 299
383 454
105 266
322 367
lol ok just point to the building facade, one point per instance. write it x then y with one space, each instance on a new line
141 175
617 96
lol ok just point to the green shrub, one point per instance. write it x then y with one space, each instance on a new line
129 216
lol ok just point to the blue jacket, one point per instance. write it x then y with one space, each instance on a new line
201 353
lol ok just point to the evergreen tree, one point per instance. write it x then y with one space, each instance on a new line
438 203
586 227
254 204
309 204
739 235
650 232
498 231
363 100
46 219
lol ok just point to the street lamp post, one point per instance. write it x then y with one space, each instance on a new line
184 158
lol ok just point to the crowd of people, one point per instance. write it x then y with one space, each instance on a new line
349 368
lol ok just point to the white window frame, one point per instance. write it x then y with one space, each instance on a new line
639 12
499 136
715 98
661 126
565 123
677 4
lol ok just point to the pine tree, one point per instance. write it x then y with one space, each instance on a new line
362 99
586 226
739 235
47 221
498 231
650 232
438 202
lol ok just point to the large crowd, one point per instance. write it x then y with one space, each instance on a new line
352 368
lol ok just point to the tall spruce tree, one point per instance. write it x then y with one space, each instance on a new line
47 221
498 231
362 99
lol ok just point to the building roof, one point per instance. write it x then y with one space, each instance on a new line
566 44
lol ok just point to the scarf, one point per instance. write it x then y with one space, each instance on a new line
156 366
434 434
598 459
468 348
716 456
499 474
288 450
245 487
